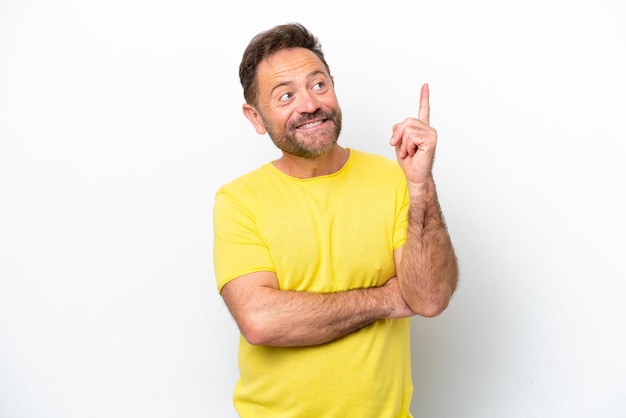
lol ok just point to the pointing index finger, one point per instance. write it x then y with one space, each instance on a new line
424 111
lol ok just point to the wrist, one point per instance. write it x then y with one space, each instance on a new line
423 188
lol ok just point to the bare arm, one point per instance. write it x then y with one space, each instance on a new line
426 266
267 315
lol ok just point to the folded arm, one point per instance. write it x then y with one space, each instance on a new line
267 315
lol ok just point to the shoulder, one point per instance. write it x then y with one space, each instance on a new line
246 183
368 157
375 164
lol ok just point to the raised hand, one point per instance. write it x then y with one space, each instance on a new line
415 142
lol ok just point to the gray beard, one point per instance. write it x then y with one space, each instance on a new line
289 143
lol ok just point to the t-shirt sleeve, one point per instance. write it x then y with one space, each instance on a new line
402 214
238 247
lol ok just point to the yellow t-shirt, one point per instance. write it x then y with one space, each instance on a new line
324 234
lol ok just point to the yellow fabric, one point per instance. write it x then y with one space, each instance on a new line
324 234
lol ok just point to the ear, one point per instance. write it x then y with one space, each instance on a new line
253 116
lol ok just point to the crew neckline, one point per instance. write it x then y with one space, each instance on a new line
325 176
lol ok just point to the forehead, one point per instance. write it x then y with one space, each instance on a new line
289 65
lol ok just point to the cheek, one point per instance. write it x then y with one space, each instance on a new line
277 115
284 119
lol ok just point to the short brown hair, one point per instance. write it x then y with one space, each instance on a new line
291 35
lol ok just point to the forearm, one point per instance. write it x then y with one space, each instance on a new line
428 270
292 318
267 315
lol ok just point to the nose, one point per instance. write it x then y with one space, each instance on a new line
307 102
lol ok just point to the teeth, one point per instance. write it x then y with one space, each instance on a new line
309 125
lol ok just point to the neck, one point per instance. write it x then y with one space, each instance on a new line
306 168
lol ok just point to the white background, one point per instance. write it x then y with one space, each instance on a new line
120 119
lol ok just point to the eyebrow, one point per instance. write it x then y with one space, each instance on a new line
287 83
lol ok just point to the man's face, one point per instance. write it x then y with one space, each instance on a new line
297 105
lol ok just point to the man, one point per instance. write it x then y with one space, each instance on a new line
324 254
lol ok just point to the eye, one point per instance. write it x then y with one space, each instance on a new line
320 85
286 96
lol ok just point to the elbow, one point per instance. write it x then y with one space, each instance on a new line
253 337
254 330
440 298
433 302
433 308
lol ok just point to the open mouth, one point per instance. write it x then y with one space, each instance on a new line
311 124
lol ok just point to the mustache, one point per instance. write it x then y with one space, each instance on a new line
309 117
